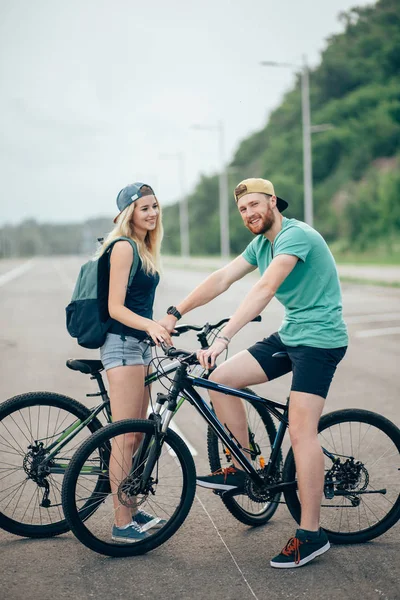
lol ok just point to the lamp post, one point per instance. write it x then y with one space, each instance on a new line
183 204
307 130
223 187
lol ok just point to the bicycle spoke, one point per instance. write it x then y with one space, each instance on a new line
24 436
378 457
98 512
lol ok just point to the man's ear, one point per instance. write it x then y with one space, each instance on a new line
273 201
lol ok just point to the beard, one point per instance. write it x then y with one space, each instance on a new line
264 224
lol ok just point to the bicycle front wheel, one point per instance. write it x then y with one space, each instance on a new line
362 483
166 491
30 498
262 431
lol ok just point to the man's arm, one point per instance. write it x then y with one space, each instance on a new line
254 303
261 293
214 285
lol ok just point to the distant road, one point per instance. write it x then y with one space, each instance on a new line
384 273
212 556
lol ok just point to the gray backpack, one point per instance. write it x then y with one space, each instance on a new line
87 314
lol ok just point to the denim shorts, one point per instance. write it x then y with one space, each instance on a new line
121 351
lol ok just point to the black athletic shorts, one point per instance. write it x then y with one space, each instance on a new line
313 368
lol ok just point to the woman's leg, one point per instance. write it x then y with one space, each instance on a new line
128 401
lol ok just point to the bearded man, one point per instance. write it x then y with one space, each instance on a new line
296 267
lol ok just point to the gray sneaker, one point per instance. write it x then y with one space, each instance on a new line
147 521
128 535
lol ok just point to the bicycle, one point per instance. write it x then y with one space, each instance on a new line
361 448
39 431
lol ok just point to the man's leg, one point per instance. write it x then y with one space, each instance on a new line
310 541
313 370
304 414
238 372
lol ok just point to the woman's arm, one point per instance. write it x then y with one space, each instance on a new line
120 266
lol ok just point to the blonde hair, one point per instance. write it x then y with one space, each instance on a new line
148 249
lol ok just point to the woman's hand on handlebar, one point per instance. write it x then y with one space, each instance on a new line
208 357
158 333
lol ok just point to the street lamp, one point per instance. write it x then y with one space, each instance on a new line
223 187
183 204
308 129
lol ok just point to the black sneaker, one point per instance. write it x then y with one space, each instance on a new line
301 549
224 479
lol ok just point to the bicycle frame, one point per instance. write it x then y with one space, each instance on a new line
189 392
73 430
184 385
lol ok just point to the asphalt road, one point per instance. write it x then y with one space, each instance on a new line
212 556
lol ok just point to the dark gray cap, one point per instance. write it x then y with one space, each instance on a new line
129 194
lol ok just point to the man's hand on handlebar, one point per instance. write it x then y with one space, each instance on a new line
208 357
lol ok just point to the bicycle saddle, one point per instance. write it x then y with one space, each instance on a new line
89 367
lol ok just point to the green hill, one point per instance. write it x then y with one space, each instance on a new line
356 176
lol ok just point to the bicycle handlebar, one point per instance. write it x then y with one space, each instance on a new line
185 328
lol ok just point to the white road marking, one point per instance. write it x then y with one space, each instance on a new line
226 546
377 332
352 320
16 272
175 428
68 283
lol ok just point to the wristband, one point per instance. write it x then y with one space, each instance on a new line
223 337
172 310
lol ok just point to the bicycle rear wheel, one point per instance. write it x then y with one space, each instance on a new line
168 493
262 432
30 502
362 482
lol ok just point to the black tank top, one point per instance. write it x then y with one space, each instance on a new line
140 300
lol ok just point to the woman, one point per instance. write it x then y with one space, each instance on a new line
124 354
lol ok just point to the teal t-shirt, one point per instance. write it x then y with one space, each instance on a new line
311 293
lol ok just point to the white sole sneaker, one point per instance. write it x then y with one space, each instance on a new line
215 486
304 561
153 524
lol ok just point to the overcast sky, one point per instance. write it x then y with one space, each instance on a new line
95 92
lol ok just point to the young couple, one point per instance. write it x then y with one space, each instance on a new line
297 267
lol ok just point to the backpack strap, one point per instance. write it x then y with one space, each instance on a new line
135 262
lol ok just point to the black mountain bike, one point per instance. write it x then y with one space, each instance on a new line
361 448
40 431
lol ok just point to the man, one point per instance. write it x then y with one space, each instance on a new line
298 268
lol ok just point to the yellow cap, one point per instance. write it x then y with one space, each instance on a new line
260 186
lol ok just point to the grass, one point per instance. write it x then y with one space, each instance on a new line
357 280
380 255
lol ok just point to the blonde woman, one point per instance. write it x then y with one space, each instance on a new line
125 355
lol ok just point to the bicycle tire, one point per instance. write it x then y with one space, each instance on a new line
213 448
79 526
30 400
348 416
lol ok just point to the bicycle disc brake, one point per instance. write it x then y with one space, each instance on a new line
260 494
